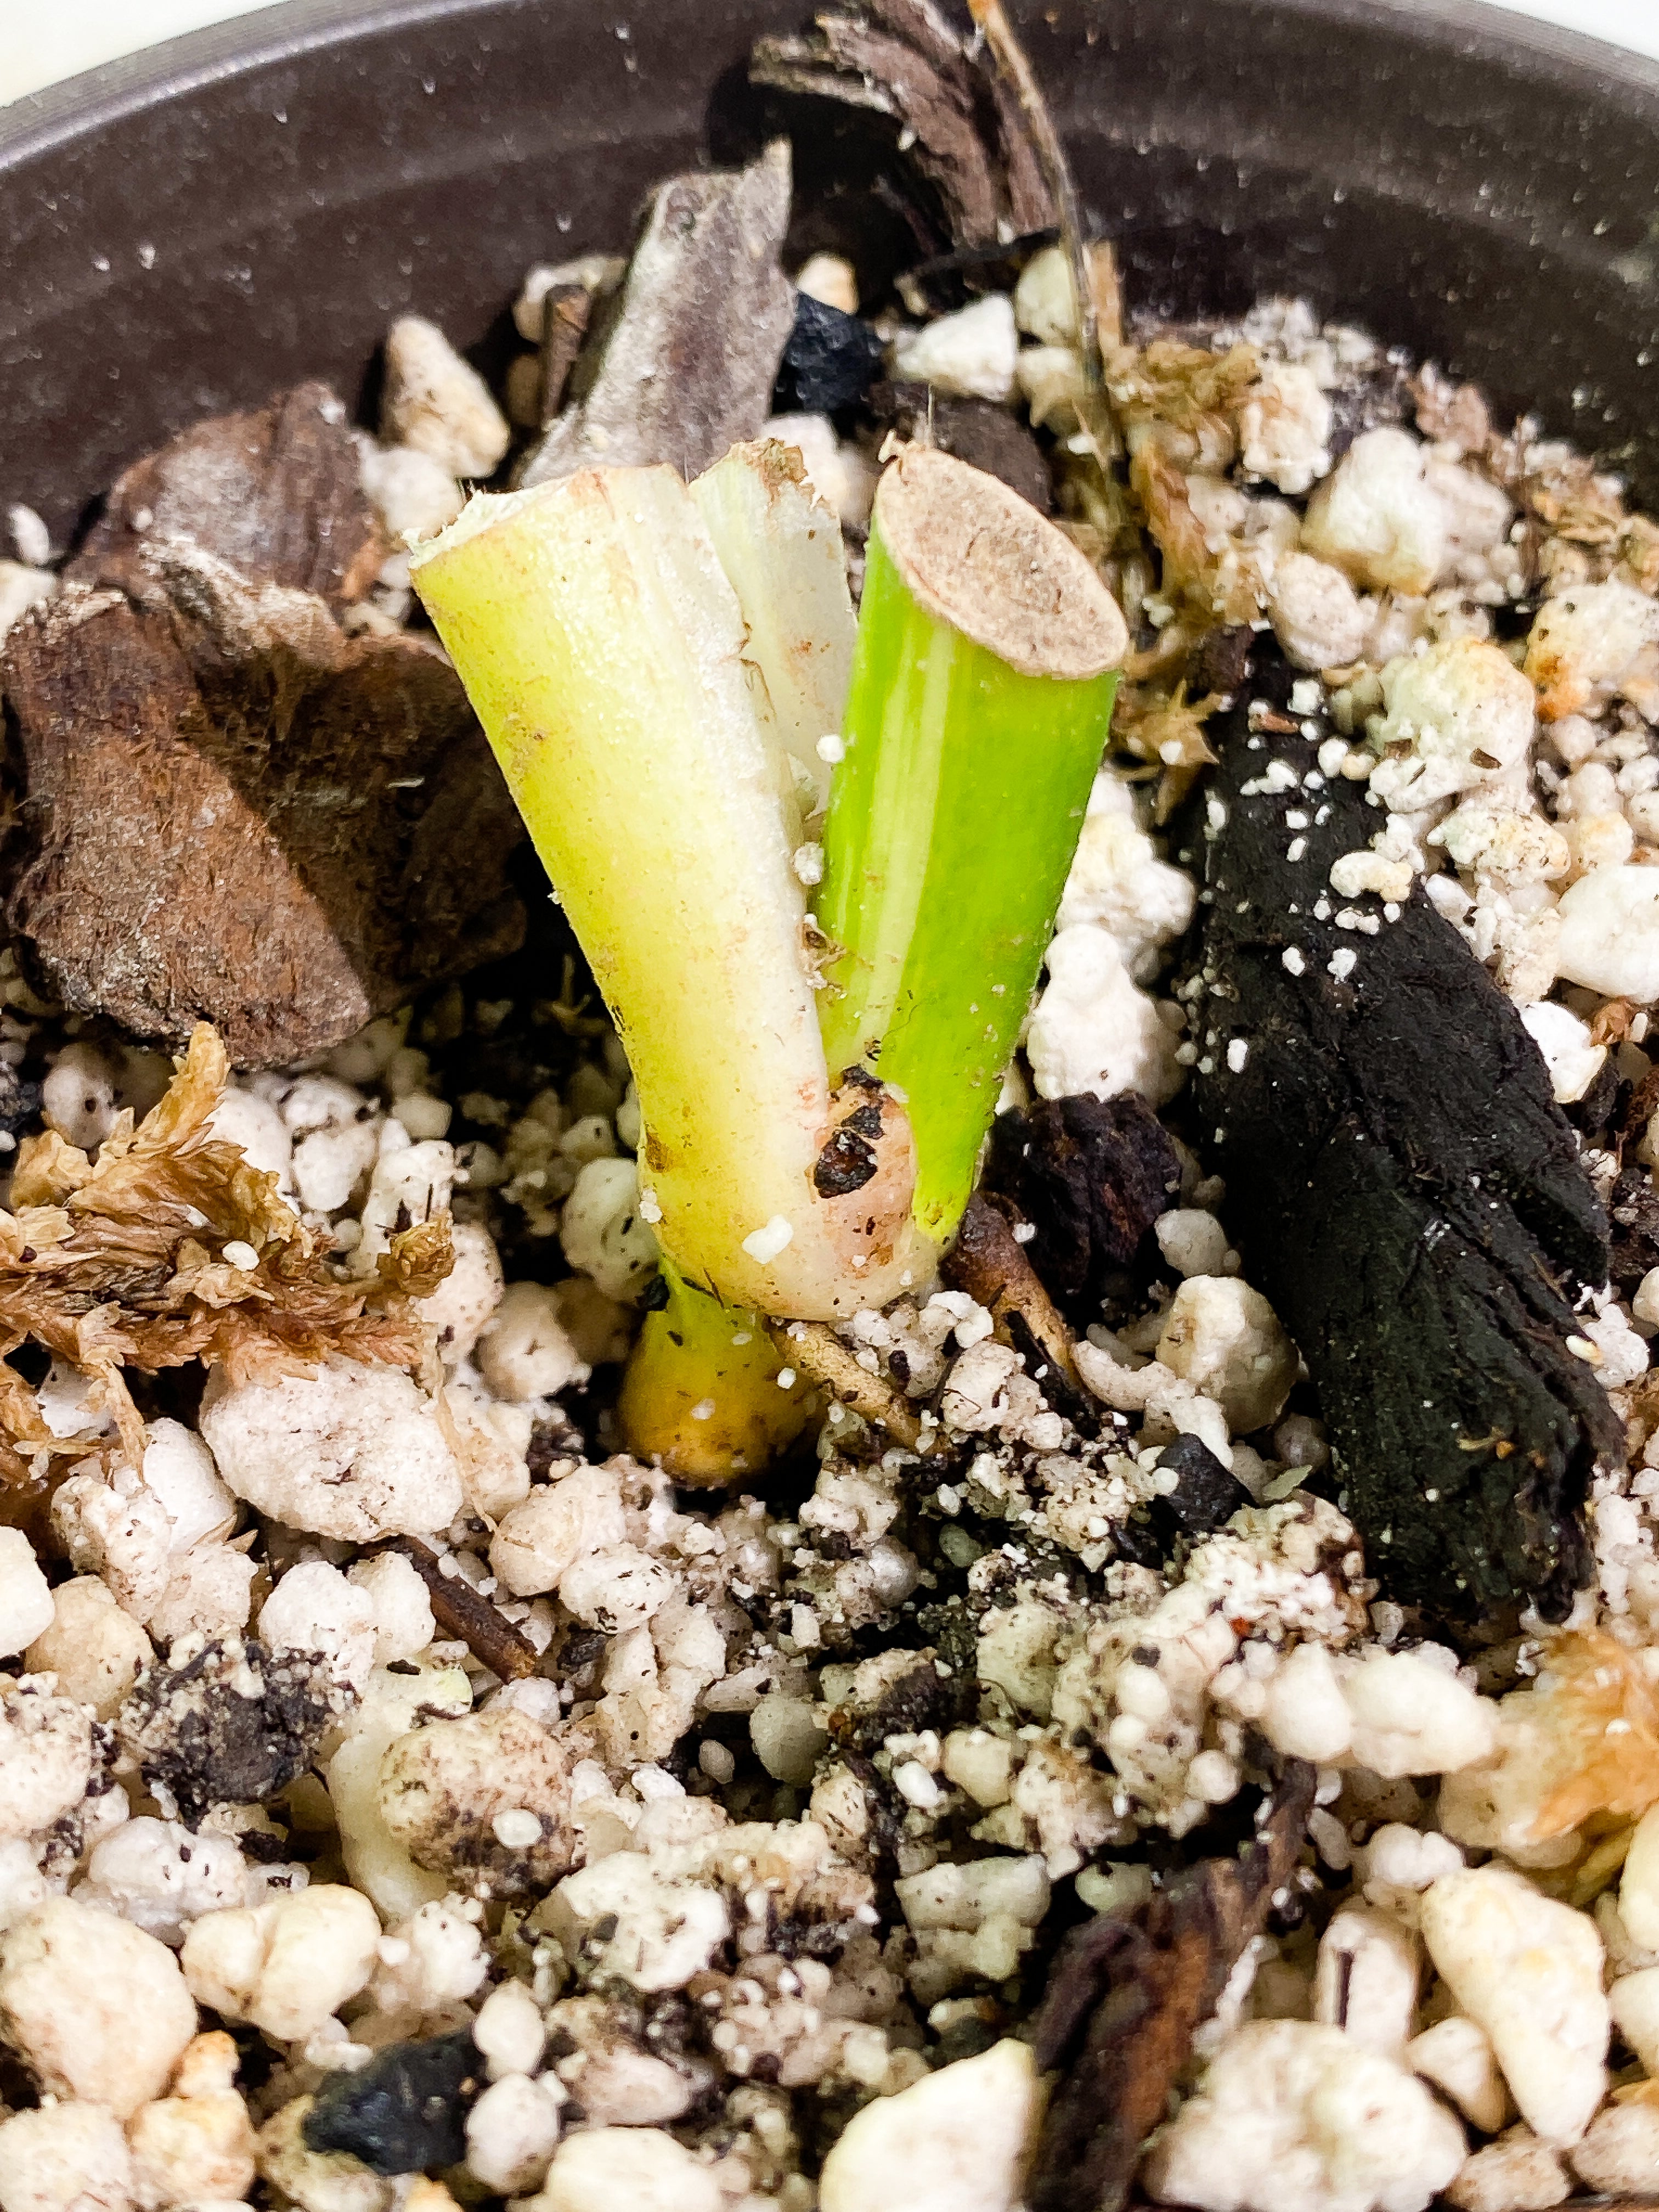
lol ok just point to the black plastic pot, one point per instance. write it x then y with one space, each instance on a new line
192 229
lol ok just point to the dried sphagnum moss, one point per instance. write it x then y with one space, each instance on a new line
120 1263
1578 1752
1600 1716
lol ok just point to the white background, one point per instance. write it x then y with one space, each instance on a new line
41 41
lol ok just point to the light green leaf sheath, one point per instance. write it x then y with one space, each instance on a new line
603 648
981 695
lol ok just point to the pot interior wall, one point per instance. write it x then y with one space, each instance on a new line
253 207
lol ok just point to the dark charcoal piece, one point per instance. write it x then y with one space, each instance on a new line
1593 1114
1634 1212
830 361
1125 1994
1205 1494
1092 1175
985 436
405 2111
232 1726
1404 1189
20 1101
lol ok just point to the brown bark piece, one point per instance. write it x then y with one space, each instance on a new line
1125 1994
569 309
986 437
232 812
276 492
900 58
683 367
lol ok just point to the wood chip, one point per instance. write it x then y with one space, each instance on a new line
568 310
959 124
462 1611
684 364
1127 1992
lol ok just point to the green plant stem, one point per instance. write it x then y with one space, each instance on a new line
603 648
953 819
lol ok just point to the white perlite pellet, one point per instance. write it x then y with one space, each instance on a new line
1529 1970
954 2142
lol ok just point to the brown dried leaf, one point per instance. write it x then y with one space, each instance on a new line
1451 414
1186 387
1166 730
1221 586
1611 1023
47 1171
1574 500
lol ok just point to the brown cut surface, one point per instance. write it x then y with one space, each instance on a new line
975 555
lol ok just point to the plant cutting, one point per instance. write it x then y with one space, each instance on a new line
697 738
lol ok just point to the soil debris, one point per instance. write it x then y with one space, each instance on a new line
984 435
1092 1176
230 1724
460 1610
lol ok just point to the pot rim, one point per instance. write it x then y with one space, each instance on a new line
1564 61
